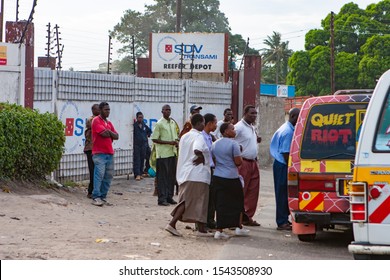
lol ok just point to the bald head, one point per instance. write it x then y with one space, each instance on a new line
293 115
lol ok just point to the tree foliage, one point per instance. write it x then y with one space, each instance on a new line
196 16
361 50
275 59
31 144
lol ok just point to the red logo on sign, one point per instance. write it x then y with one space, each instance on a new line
69 126
168 48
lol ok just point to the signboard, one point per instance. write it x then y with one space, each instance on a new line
282 91
188 52
74 116
3 55
11 55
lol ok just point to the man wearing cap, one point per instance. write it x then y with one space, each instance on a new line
187 126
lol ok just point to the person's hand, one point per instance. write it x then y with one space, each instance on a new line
198 161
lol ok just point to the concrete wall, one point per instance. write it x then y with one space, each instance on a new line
270 117
12 70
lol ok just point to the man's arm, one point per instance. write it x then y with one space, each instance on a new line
158 141
187 127
148 131
199 159
108 133
285 156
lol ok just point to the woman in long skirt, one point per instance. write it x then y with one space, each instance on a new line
226 181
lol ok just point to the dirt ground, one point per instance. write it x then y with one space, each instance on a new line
61 223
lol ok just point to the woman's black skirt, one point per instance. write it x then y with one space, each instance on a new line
229 201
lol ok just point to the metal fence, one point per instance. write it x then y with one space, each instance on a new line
70 96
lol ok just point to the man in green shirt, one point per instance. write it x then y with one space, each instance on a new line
165 138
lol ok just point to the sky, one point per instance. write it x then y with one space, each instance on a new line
85 24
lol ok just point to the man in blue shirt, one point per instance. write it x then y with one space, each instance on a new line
141 134
280 150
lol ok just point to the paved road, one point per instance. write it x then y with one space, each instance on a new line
265 242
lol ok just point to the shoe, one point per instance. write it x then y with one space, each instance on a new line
163 203
241 232
145 175
251 223
204 234
138 178
221 235
89 195
171 201
211 225
97 202
172 231
284 227
105 202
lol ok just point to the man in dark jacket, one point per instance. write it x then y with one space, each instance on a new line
141 134
88 146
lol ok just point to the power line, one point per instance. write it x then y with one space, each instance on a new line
297 31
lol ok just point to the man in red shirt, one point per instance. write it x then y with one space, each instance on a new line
103 134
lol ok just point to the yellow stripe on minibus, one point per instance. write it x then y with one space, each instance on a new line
310 166
372 174
336 166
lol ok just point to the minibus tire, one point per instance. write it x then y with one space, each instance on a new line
307 237
361 257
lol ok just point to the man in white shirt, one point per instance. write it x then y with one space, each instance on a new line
247 138
193 176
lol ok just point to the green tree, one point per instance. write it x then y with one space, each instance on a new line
347 70
319 67
300 74
375 60
361 52
316 37
276 56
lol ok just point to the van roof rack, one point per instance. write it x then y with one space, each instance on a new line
353 91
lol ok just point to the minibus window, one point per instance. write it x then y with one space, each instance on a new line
382 139
331 131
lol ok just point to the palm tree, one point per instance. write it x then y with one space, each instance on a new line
276 56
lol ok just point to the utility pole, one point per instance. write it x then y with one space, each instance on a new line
192 59
332 70
109 54
181 60
133 51
48 43
1 20
178 15
246 49
59 49
17 10
231 63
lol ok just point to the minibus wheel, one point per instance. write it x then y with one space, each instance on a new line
361 257
306 237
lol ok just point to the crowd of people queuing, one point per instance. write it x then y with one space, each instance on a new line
213 163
